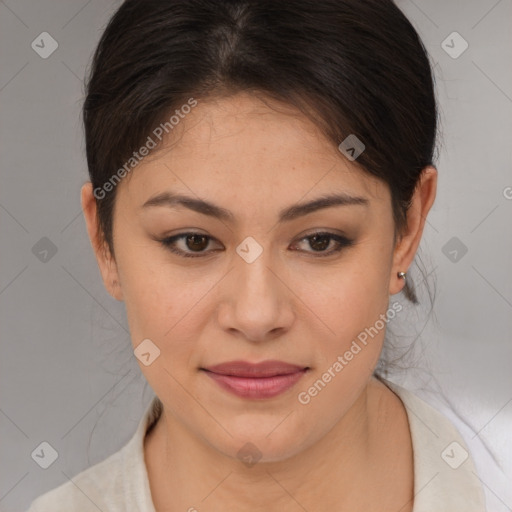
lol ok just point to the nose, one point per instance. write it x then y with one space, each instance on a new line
257 304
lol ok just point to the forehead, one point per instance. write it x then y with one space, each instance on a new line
241 146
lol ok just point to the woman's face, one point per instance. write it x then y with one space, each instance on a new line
255 287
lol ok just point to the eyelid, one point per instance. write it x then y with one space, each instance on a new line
169 240
342 240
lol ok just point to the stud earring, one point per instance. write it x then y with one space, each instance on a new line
408 289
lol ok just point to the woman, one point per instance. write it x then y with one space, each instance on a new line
261 172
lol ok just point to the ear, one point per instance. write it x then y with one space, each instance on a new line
106 262
409 241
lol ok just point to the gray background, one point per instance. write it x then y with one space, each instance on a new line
67 372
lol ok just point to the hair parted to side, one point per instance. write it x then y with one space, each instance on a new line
352 66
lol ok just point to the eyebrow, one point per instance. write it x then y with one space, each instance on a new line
172 200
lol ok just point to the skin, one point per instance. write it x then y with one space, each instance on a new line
349 448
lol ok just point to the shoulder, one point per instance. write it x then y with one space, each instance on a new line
450 461
118 483
98 487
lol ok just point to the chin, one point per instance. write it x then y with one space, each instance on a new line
253 445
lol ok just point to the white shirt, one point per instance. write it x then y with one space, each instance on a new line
445 477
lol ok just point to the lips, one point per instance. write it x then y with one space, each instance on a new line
255 370
256 380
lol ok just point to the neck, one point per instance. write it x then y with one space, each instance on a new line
187 473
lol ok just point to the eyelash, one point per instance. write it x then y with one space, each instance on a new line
342 242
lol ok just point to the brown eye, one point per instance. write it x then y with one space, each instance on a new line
190 243
196 242
320 241
194 245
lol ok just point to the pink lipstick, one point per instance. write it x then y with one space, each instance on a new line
256 380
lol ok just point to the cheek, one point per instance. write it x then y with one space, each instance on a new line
348 298
163 302
350 304
167 306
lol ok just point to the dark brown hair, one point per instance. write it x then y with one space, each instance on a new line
353 66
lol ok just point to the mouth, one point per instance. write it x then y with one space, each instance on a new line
256 380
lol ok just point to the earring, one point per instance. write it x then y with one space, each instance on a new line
408 288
